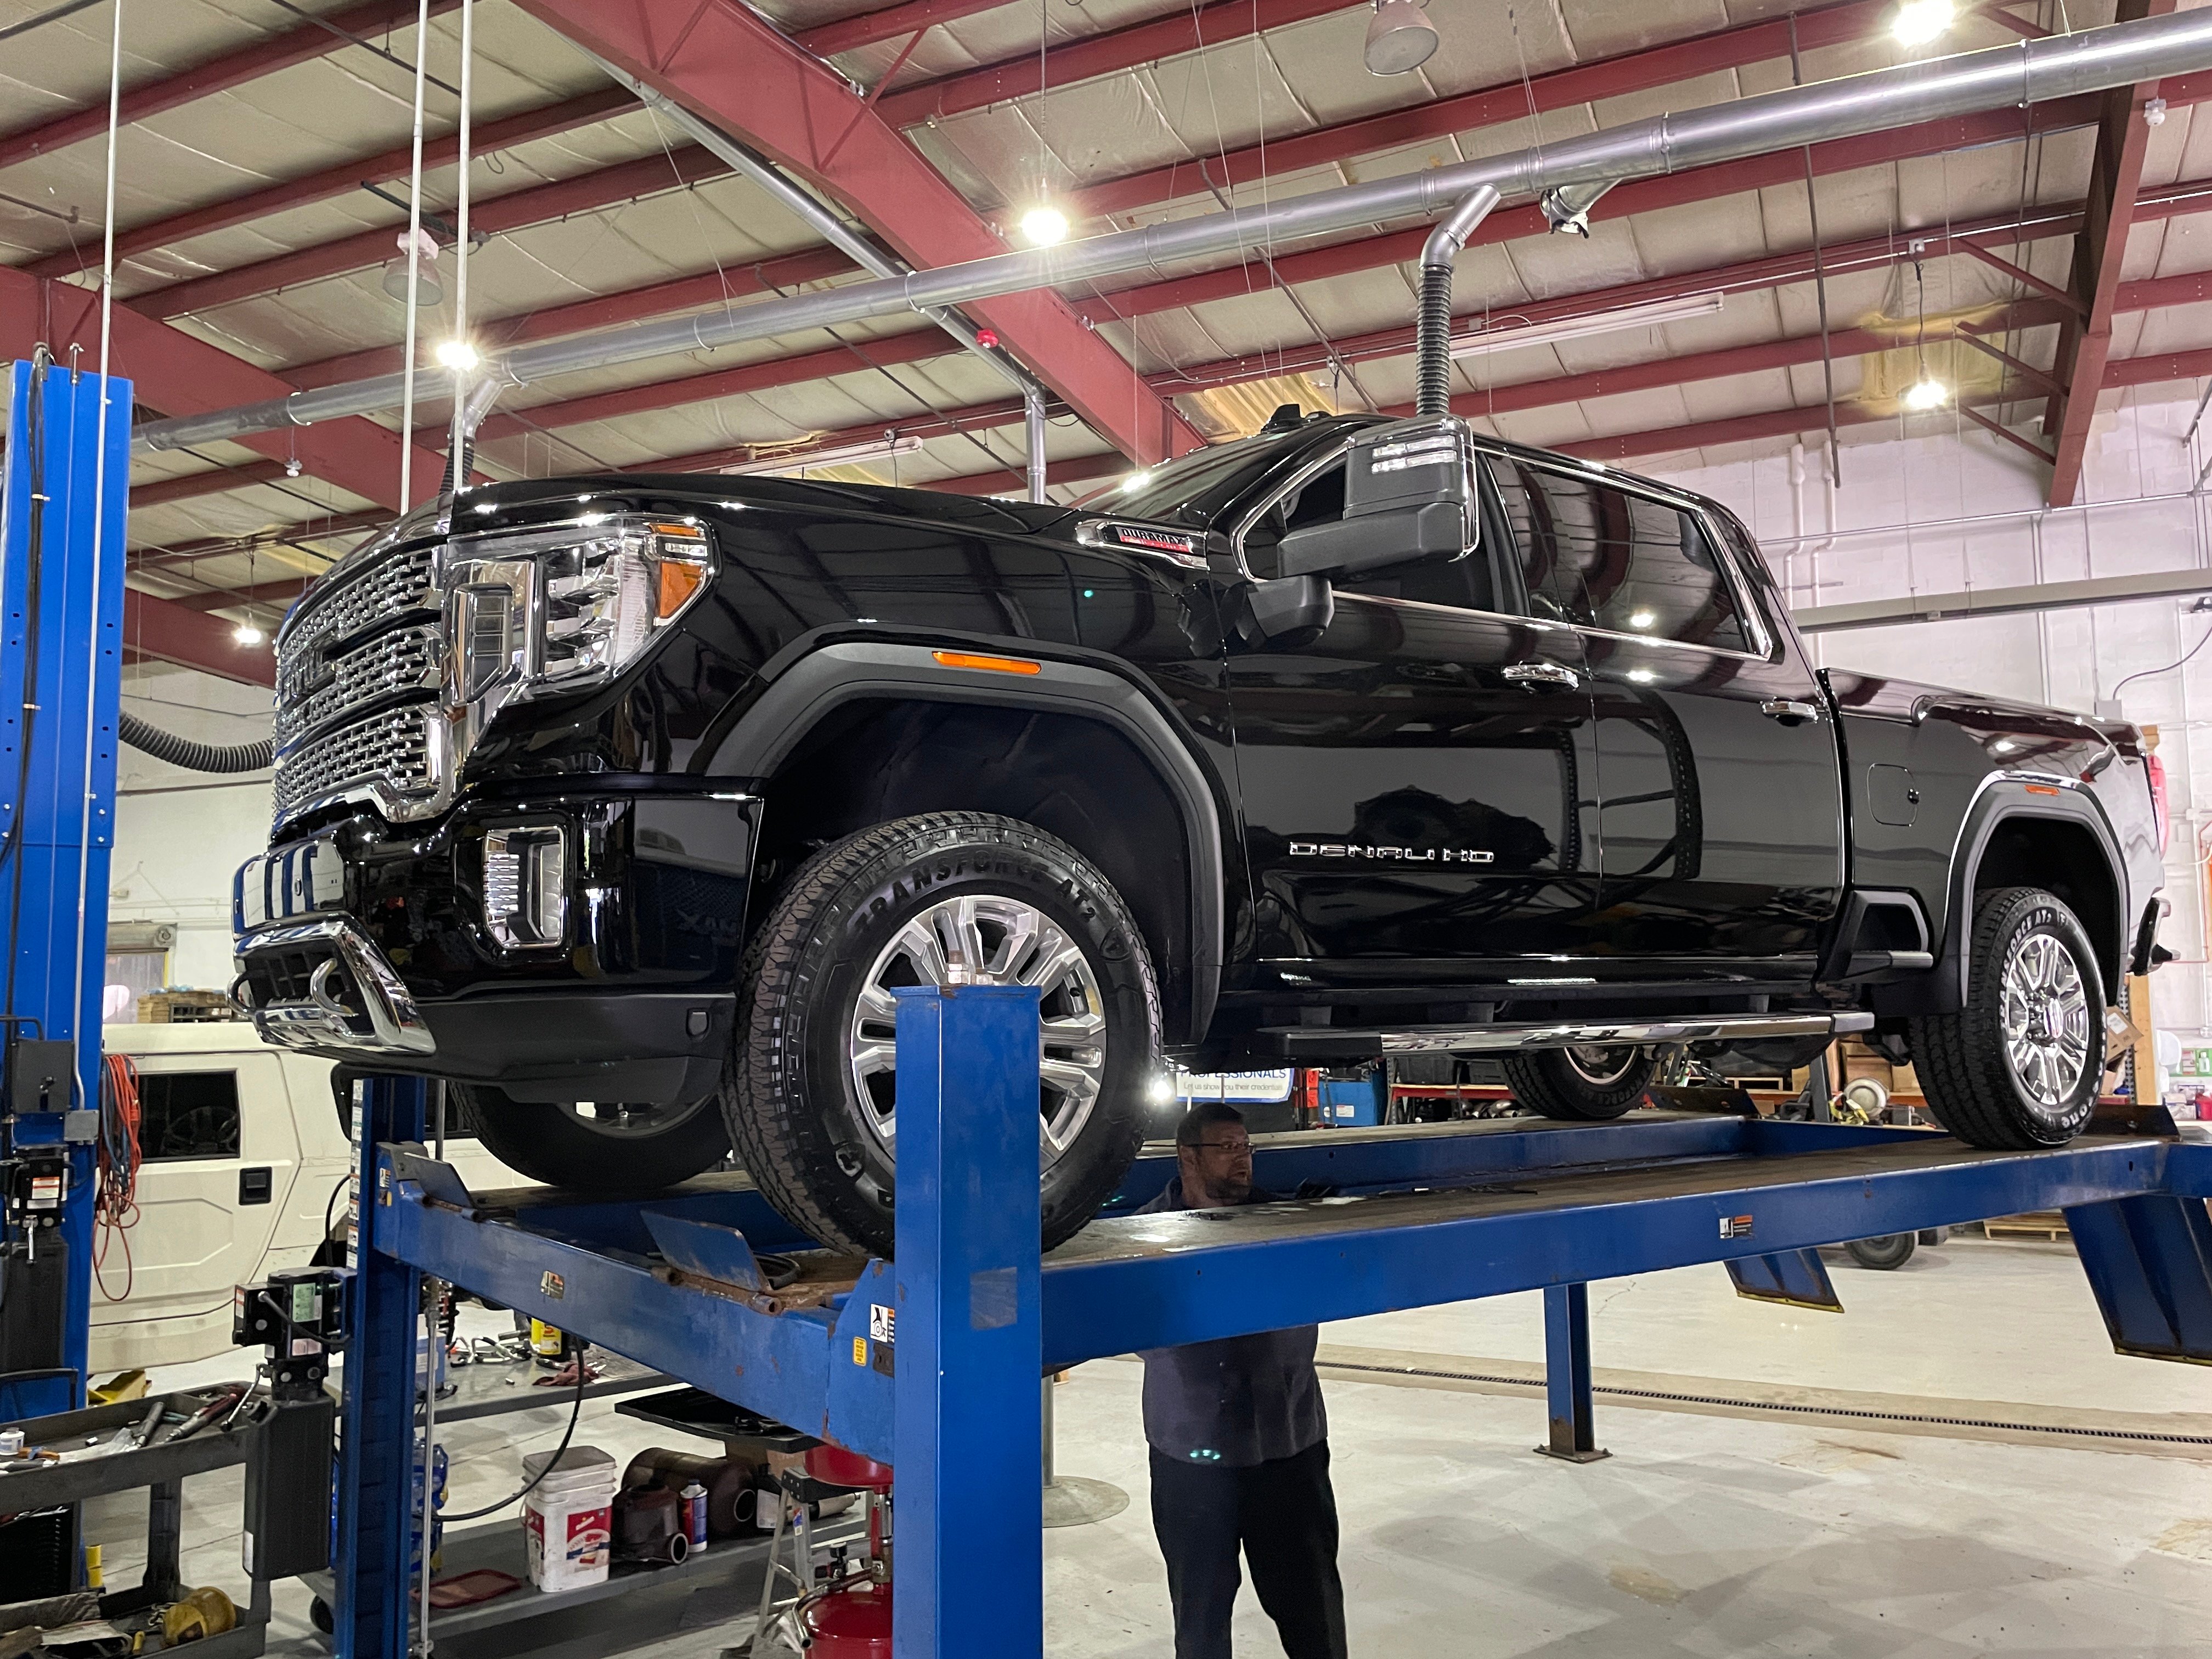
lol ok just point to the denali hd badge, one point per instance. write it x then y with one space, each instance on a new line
1338 849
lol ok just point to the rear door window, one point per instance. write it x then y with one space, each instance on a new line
187 1114
1600 555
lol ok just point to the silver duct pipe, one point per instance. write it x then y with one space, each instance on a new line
1567 207
808 211
1433 326
1033 430
1997 77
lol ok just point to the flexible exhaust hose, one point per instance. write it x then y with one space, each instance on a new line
193 755
1432 390
1432 329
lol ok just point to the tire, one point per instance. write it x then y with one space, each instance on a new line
1886 1252
1583 1083
644 1149
811 1081
2019 1066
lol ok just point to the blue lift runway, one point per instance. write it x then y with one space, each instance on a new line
931 1363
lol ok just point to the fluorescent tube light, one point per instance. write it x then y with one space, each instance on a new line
1505 337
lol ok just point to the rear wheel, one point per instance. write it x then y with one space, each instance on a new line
1585 1082
2019 1066
598 1146
812 1099
1886 1252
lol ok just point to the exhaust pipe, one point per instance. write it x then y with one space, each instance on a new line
1432 332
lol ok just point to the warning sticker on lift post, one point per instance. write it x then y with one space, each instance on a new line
882 1324
1735 1226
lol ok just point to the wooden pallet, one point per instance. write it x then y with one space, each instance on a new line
2036 1224
185 1007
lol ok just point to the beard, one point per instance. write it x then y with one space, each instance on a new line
1233 1189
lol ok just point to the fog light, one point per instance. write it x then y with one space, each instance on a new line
526 885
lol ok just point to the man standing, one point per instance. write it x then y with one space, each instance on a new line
1240 1445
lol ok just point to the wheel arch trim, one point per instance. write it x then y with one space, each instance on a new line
854 671
2003 798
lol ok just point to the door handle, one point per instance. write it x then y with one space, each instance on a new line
1790 711
1542 673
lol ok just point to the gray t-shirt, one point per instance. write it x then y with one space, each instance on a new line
1241 1400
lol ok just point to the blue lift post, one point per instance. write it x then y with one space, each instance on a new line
1416 1218
61 663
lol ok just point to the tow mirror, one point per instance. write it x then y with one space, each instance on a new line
1409 498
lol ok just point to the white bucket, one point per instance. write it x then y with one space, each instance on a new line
567 1519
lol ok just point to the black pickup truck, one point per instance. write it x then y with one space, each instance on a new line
624 802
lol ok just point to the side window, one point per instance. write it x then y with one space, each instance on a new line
184 1115
1462 582
1603 556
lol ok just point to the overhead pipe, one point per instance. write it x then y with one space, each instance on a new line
1432 328
1567 207
1996 78
1033 431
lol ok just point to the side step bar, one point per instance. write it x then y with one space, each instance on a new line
1324 1044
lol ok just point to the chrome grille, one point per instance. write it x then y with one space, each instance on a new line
356 683
393 750
378 670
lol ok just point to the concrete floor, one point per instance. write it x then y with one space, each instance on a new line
1714 1529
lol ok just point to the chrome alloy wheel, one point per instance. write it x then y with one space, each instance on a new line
2045 1010
995 941
1600 1067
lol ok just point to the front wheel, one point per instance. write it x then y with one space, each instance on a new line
594 1146
2019 1066
943 898
1586 1082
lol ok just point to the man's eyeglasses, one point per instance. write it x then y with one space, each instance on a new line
1224 1147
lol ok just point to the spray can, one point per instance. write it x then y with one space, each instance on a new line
695 1513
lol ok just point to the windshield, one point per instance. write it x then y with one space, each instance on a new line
1195 489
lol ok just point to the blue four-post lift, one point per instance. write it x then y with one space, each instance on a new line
61 554
1410 1218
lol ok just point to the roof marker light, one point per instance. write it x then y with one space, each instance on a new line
993 665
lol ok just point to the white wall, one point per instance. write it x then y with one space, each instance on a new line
2067 658
178 834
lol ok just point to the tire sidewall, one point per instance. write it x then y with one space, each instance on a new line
814 1006
2036 913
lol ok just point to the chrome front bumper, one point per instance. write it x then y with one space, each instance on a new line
351 998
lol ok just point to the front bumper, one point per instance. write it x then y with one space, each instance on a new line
371 946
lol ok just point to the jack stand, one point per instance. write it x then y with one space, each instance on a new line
1567 1374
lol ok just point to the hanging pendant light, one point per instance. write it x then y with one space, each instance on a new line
1400 37
429 290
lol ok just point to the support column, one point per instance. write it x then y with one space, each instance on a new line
375 1496
971 1347
1567 1374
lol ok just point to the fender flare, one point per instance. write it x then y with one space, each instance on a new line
852 671
2001 798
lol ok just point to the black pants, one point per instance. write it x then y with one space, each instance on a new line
1284 1515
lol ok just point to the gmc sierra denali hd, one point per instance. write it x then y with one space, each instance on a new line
623 803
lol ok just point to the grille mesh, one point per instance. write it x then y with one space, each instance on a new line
357 672
392 747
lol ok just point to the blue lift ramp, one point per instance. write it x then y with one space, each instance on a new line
932 1365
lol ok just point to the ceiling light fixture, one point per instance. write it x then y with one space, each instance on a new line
1505 337
1925 393
1043 226
1919 21
1400 37
429 290
246 634
809 459
457 354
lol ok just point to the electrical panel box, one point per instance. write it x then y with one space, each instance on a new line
41 1076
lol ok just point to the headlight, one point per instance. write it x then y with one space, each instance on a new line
558 610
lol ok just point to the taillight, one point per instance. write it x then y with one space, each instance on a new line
2156 769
